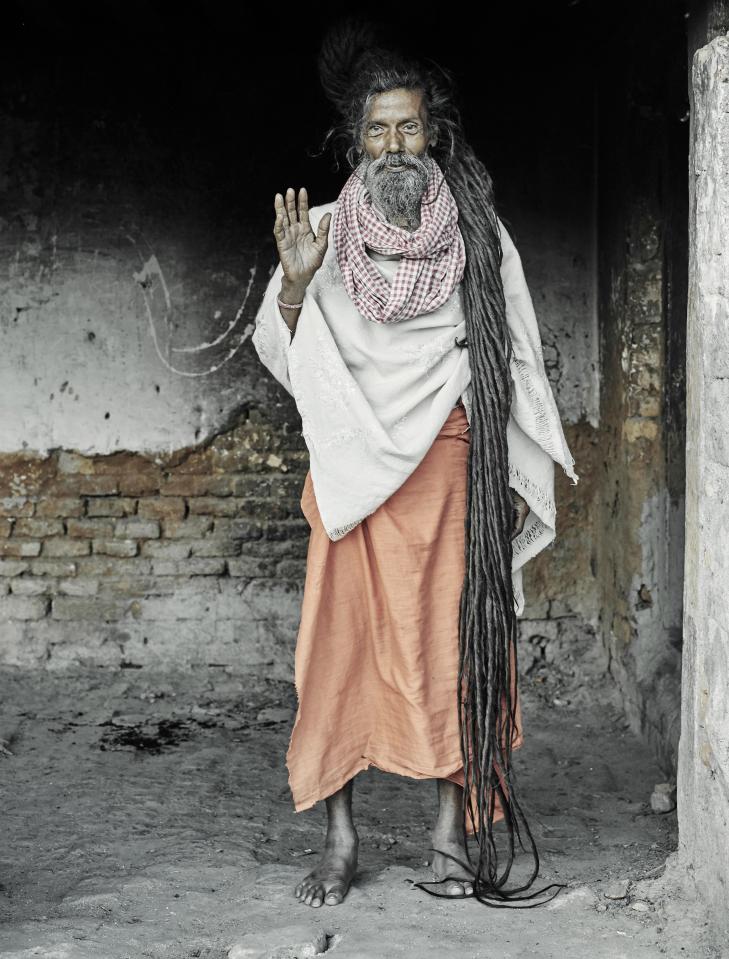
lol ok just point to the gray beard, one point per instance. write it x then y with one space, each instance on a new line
397 193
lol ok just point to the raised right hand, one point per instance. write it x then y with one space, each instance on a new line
300 251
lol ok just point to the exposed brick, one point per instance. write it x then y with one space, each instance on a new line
116 547
140 483
264 486
122 463
161 549
86 485
111 506
215 546
74 463
142 586
265 509
189 567
238 529
32 585
23 607
6 527
61 546
291 569
193 527
52 567
90 528
251 566
4 586
38 527
112 566
88 607
214 506
79 586
66 507
285 549
19 548
16 506
134 528
162 507
182 484
286 529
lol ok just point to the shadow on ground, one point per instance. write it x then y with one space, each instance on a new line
149 815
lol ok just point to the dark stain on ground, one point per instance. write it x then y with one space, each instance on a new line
147 737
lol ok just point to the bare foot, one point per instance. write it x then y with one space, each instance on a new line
329 881
443 867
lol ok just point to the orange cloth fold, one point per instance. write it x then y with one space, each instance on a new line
376 661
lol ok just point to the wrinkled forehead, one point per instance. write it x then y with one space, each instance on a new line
396 106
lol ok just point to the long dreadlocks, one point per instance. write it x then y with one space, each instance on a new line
354 68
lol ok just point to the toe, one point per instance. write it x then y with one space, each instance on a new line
314 896
334 896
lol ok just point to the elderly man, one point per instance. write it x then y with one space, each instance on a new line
412 351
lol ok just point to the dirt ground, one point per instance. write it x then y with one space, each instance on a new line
149 815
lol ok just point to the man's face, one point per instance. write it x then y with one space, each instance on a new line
396 164
396 123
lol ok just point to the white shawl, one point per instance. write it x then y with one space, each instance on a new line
373 396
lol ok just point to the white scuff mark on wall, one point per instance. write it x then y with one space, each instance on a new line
231 326
150 273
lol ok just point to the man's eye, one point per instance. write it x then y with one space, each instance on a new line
373 131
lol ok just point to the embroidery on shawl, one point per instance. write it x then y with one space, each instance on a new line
346 435
528 536
541 418
431 353
533 488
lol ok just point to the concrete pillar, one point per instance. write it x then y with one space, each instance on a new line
703 775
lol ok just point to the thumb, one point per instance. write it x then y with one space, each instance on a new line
323 231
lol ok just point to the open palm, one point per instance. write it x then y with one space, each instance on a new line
300 250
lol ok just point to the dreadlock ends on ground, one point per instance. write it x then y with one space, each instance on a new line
411 347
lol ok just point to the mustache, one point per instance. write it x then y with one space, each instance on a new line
389 160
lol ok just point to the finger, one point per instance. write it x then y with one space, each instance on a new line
291 205
278 227
304 208
280 207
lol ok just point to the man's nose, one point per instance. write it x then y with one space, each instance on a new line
395 143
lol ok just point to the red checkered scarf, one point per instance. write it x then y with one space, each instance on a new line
433 256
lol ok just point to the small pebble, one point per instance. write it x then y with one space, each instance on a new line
617 890
640 905
663 797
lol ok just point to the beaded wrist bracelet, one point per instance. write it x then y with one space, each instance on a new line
289 306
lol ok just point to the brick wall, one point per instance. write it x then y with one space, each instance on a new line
196 557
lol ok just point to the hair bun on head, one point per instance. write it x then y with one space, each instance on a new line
348 47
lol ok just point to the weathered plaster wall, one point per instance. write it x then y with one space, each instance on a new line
121 322
642 157
703 793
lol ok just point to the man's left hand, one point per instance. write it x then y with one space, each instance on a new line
521 509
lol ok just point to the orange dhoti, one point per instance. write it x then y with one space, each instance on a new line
376 663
